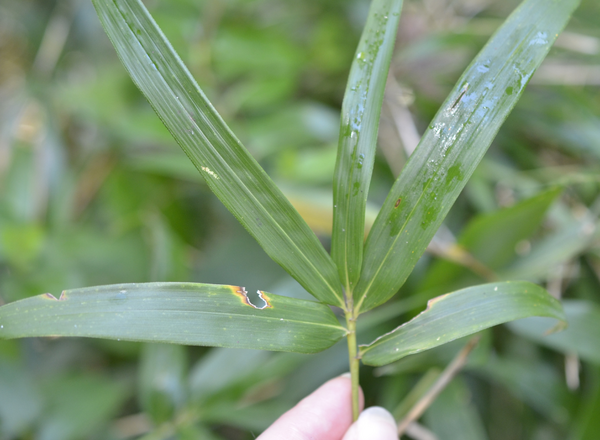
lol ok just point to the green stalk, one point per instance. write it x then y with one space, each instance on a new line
353 358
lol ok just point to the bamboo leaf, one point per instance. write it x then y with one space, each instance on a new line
581 338
358 136
492 239
453 414
461 313
162 388
180 313
229 170
453 145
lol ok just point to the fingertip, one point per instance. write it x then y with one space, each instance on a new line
374 423
378 414
324 414
347 377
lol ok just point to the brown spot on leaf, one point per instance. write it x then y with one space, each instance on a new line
432 301
62 297
398 202
242 294
262 295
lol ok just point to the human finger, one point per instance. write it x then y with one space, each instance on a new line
374 423
326 414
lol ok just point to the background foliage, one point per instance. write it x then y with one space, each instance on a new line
93 190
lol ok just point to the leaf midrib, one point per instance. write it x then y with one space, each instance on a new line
198 312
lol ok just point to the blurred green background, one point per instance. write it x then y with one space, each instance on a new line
93 190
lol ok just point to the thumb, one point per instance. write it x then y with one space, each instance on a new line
374 423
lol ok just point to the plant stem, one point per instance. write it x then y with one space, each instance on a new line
354 362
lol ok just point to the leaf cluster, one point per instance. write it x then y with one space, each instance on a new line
355 278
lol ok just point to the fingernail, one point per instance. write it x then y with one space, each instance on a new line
348 375
373 423
377 412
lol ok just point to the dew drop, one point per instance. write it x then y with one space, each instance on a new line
540 38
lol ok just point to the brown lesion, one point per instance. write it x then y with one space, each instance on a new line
242 294
63 296
462 93
262 295
432 301
398 202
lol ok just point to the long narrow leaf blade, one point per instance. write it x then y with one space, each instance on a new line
581 338
229 170
462 313
180 313
455 142
358 137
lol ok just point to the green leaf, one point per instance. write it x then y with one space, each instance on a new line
358 136
457 314
417 391
534 382
441 356
162 388
219 369
196 432
79 406
587 424
492 238
571 240
229 170
455 142
454 415
580 338
21 402
180 313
